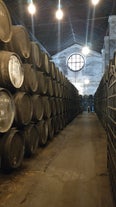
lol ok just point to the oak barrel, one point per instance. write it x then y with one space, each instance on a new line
42 128
45 63
50 123
42 84
20 42
31 138
24 108
38 108
12 149
5 23
52 70
35 55
49 86
52 106
7 110
47 108
11 70
30 83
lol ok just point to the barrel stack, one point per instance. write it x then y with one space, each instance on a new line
105 106
36 99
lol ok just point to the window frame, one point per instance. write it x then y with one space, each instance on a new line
79 54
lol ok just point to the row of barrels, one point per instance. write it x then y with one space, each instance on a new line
105 101
36 99
28 122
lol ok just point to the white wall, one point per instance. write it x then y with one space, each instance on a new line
93 69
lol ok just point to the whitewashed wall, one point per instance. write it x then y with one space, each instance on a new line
93 69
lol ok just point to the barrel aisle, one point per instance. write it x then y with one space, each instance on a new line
71 171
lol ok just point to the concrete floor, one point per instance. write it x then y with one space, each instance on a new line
70 172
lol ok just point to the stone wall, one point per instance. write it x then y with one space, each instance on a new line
93 69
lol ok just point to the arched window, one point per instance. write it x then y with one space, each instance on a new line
75 62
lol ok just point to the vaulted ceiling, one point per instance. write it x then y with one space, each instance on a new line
81 23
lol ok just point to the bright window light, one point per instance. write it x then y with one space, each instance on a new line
31 8
85 50
59 14
95 2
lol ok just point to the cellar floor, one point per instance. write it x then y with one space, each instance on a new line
70 172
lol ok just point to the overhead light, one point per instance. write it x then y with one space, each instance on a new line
86 81
32 8
59 14
95 2
85 50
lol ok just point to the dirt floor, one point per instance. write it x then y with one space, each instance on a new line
70 172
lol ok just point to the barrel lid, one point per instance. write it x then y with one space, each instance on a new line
5 23
7 110
16 71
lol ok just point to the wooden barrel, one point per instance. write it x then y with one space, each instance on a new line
52 106
61 78
46 63
59 90
55 88
31 138
24 108
12 149
52 70
38 108
61 122
57 106
57 74
61 106
7 110
42 128
11 70
20 42
50 123
49 86
35 56
56 124
42 84
5 23
30 83
47 108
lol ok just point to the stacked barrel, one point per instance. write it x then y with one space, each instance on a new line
101 100
105 105
36 99
111 127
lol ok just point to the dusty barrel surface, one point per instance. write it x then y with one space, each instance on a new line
5 23
35 55
31 139
56 124
45 63
42 84
52 106
24 108
57 74
11 70
7 110
52 70
30 83
50 123
47 107
58 109
37 107
42 128
49 86
12 149
55 88
20 42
